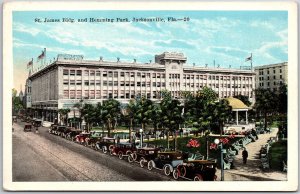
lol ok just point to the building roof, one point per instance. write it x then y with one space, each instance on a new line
236 103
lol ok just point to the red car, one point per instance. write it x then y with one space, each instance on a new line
81 137
123 149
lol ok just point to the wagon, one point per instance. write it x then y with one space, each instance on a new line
197 170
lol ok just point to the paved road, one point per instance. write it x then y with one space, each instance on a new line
46 157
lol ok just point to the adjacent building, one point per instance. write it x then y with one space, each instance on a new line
71 78
271 76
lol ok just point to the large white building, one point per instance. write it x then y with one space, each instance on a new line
271 76
70 79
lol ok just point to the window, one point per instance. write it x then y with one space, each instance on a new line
110 74
92 82
92 73
274 83
274 76
158 75
78 72
66 94
66 72
86 72
97 73
131 83
268 78
72 94
110 83
139 74
163 75
163 84
154 75
86 82
274 71
154 84
127 95
143 75
104 73
104 83
98 82
115 83
72 82
66 82
138 83
280 76
132 74
115 74
78 94
127 83
122 83
86 94
158 84
280 70
268 72
143 84
122 74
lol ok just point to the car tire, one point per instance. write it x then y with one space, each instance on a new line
198 177
142 161
182 170
120 155
176 173
129 158
134 156
150 165
104 149
167 170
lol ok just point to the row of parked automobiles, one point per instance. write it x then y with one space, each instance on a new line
178 164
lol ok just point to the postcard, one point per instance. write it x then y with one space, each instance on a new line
150 96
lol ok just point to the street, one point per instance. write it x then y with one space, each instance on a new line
46 157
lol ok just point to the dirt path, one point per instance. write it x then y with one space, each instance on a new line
252 169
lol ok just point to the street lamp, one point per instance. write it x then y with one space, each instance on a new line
141 138
217 141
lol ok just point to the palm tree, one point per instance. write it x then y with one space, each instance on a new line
221 113
63 115
144 110
156 116
110 113
130 112
78 106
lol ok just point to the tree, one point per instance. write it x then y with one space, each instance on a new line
63 114
221 113
171 114
17 103
110 113
78 106
130 112
156 116
144 110
89 114
266 103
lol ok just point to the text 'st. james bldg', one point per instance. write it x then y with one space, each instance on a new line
70 79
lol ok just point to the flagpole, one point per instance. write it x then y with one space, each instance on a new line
45 56
251 61
32 65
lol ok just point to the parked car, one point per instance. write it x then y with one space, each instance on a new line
93 139
166 161
197 170
72 134
81 138
143 155
105 144
122 149
52 129
36 122
27 127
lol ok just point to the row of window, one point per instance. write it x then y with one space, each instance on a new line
148 75
268 78
261 72
114 83
268 83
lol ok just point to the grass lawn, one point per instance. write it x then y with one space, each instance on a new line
278 153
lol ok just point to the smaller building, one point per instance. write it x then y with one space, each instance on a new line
271 76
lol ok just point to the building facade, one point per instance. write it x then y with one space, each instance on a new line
70 79
271 76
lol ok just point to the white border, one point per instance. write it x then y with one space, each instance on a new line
290 185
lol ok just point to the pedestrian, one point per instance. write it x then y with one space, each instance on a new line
245 156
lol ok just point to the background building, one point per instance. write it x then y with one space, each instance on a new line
271 76
70 79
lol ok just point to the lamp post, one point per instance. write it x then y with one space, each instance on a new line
217 141
141 138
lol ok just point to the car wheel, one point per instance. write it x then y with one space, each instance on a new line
111 147
134 156
104 149
198 177
176 174
150 165
167 170
129 158
97 147
120 155
182 170
142 161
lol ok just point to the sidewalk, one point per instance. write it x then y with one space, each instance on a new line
252 170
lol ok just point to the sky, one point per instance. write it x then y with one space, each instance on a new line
226 37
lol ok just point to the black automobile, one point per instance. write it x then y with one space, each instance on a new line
197 170
166 161
52 129
105 144
143 155
72 133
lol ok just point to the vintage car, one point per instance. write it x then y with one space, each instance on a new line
94 137
166 161
52 129
36 122
60 130
143 155
105 144
197 170
81 137
122 149
72 133
27 127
